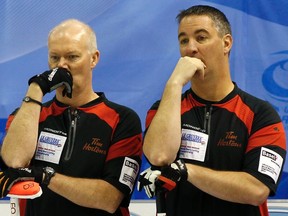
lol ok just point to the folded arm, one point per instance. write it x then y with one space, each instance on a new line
91 193
239 187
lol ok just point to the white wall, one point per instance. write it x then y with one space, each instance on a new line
137 208
148 207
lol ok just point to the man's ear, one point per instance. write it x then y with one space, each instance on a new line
227 43
95 58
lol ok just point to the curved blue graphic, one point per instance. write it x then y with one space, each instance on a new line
265 11
269 82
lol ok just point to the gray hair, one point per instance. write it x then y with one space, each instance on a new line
220 20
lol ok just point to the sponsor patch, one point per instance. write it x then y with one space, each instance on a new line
130 169
193 145
50 147
270 163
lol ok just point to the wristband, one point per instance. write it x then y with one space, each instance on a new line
28 99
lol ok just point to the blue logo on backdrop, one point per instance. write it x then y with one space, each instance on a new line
275 79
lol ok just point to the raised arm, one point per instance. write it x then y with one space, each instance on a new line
163 137
21 139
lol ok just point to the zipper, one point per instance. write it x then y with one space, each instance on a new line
72 116
207 118
207 124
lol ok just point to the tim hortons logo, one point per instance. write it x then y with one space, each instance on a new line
230 140
95 146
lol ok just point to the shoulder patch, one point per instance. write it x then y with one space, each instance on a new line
130 169
270 163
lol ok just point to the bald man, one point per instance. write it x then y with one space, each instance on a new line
84 150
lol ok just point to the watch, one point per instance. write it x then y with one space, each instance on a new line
28 99
49 172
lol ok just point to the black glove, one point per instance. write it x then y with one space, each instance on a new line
2 164
11 176
176 171
52 79
171 175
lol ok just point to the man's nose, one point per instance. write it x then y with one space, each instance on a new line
191 49
62 63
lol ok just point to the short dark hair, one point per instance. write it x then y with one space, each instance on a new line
220 20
